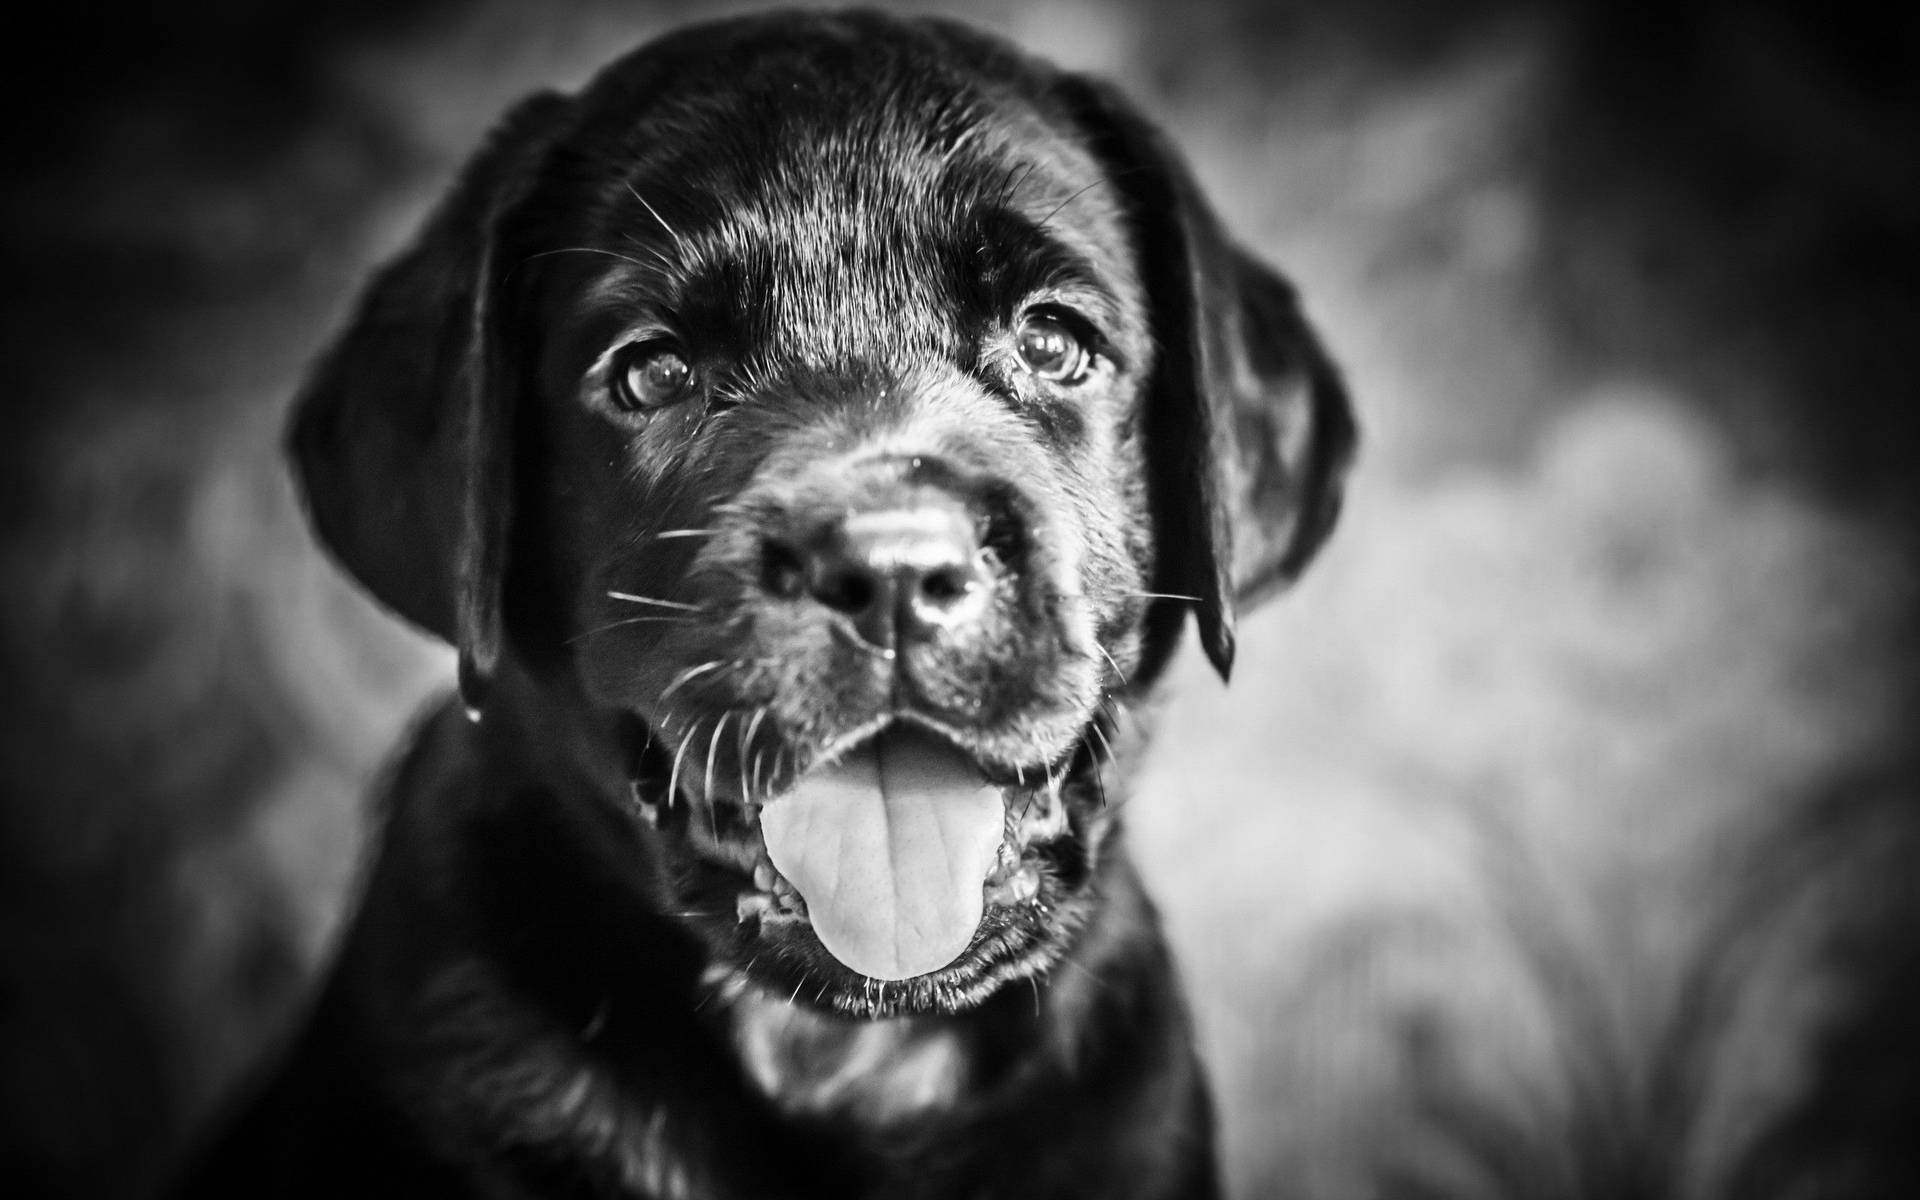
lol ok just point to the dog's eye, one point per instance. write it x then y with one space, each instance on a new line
650 375
1051 350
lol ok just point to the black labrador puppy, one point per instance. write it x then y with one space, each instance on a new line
813 436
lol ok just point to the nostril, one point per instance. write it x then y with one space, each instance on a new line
895 571
848 591
782 571
830 576
944 585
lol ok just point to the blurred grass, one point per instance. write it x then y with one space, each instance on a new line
1543 845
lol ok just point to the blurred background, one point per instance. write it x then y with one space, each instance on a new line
1558 836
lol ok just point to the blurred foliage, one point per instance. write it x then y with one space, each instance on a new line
1626 291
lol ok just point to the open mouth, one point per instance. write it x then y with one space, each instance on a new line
902 854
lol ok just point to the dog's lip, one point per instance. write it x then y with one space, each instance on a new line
994 771
1012 781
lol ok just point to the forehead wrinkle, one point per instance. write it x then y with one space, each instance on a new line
869 148
830 231
848 221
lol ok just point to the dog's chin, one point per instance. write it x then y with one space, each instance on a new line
755 923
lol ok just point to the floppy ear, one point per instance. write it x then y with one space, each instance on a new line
402 437
1248 429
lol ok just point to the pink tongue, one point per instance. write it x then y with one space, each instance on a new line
889 847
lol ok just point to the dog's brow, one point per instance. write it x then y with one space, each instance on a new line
1061 207
1034 259
655 213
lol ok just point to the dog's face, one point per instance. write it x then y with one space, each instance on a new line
846 480
831 418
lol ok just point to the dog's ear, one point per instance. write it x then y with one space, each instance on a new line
402 436
1248 430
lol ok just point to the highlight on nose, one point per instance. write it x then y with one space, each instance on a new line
897 573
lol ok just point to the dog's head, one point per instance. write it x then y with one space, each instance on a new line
828 422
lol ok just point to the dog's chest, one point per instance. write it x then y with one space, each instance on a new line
877 1072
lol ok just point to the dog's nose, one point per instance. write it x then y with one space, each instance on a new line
900 574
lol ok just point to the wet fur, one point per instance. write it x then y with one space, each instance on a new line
547 990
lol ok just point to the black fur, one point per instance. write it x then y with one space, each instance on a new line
558 982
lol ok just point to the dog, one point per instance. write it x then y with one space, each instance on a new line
812 435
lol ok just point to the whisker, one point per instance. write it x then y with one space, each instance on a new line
1082 596
1042 223
651 251
713 745
673 776
1014 185
687 676
1117 672
630 598
671 231
747 730
575 250
740 754
1088 972
627 621
664 534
